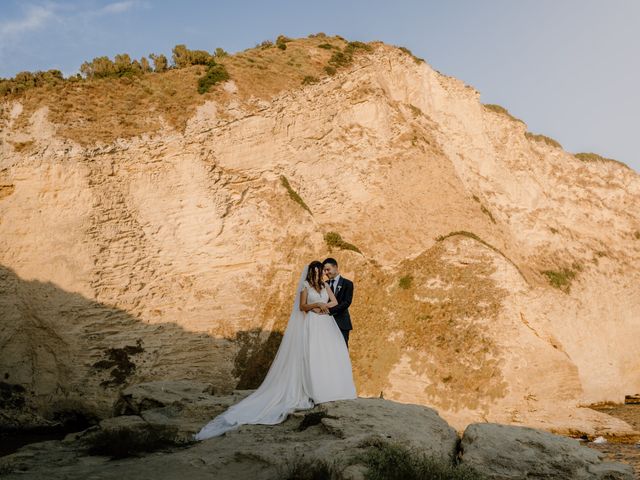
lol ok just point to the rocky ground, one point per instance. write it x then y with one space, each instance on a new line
625 450
162 416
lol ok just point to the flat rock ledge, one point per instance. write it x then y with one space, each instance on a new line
168 413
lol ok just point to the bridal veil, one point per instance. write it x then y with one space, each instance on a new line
284 388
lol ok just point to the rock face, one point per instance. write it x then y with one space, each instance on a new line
174 255
336 432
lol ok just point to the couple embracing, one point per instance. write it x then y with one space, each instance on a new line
312 364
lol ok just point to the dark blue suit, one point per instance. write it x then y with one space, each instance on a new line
344 295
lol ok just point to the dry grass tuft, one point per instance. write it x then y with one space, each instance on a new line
501 110
542 138
594 157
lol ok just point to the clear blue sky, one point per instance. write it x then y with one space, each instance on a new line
569 68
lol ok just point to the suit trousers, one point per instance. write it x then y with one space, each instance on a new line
345 334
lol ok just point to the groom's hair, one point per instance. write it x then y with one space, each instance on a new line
330 260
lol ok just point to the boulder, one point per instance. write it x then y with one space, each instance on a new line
505 452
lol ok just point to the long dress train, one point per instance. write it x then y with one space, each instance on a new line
311 366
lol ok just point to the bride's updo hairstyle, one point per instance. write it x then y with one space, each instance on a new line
314 275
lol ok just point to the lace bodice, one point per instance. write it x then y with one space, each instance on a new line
313 296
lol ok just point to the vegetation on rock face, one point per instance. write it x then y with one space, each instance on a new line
408 52
562 278
215 73
415 110
542 138
309 79
464 233
293 194
500 109
124 97
594 157
334 240
344 57
405 282
11 395
484 209
118 363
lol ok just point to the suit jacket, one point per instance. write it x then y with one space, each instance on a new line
344 295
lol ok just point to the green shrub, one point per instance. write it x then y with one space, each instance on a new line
293 194
160 62
183 57
145 65
281 42
215 73
405 282
26 80
542 138
334 240
388 461
220 52
121 66
327 46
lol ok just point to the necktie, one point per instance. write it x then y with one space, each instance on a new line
331 284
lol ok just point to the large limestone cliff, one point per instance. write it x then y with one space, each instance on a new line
173 254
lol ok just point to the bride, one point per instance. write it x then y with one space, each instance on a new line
311 366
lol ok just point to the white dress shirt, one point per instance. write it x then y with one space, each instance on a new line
335 283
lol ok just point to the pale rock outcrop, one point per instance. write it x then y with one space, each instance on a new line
174 255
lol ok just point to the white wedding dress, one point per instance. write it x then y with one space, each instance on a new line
311 366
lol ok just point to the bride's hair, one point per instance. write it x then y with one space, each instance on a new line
314 275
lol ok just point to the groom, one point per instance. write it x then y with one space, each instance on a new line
343 290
